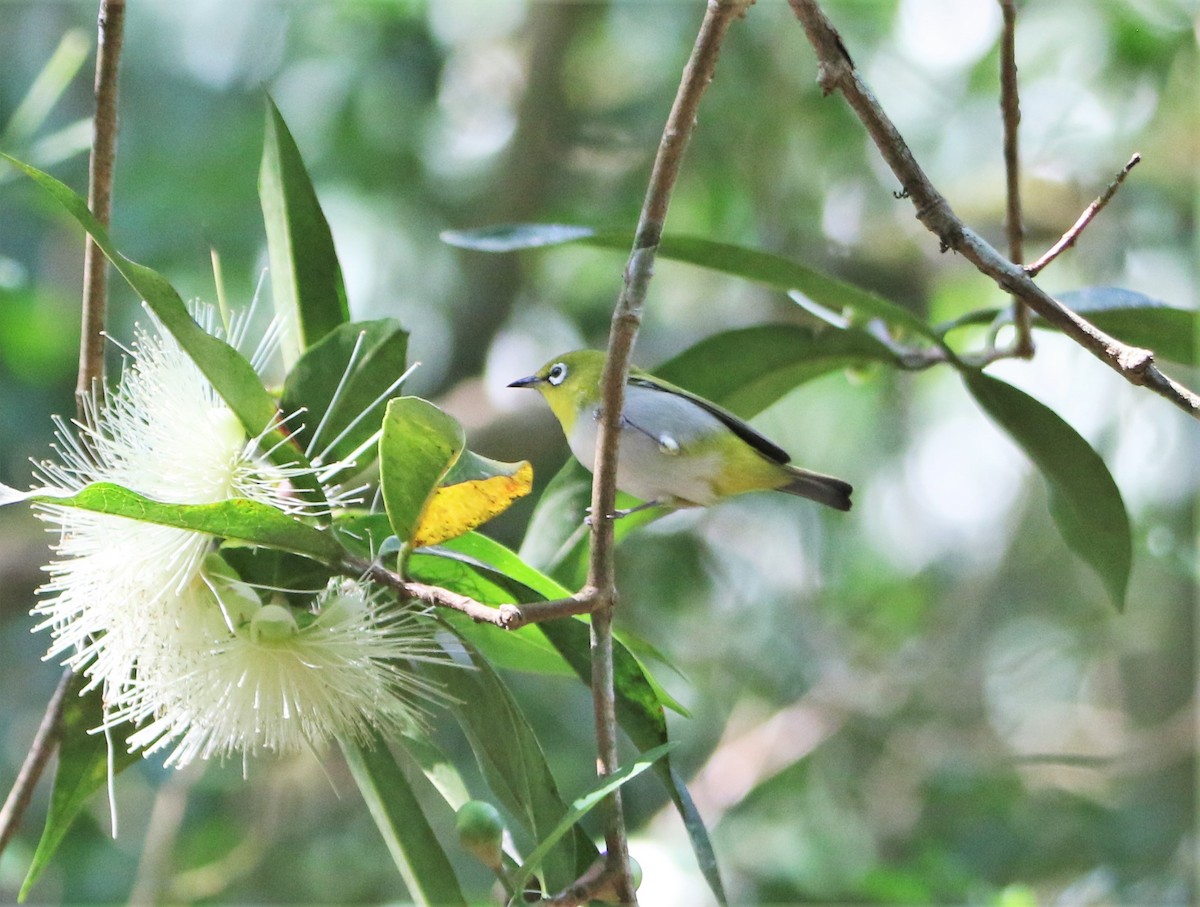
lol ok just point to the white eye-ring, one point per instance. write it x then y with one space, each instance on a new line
557 374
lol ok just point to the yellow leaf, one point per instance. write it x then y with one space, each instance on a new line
456 509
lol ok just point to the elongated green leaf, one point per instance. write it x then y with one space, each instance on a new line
526 649
514 766
1084 500
524 583
1129 316
227 370
763 267
438 768
306 279
419 445
494 556
342 383
1139 320
237 518
422 862
82 770
582 806
747 370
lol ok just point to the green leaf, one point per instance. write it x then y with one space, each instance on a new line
1138 320
419 856
1084 500
306 279
296 577
226 369
763 267
582 806
513 764
82 770
438 768
419 445
747 370
556 533
526 649
340 381
236 518
1129 316
492 555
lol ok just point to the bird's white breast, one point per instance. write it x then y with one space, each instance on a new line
661 457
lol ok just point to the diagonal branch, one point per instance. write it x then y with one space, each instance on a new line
837 73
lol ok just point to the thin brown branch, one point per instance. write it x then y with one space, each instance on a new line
626 320
1010 108
596 884
45 741
1069 238
506 617
110 30
111 27
837 73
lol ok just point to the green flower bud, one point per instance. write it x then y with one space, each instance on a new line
480 830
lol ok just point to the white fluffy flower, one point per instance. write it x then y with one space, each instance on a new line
240 676
164 433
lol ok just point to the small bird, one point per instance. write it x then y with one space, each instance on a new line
676 448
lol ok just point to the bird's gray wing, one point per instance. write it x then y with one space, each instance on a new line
675 412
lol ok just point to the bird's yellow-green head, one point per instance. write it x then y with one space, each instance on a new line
570 383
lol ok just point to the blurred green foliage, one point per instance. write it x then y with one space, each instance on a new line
928 701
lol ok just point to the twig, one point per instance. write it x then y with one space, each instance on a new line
40 751
110 30
596 884
506 617
111 27
1068 239
1010 108
626 320
837 73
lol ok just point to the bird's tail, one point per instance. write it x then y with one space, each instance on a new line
820 488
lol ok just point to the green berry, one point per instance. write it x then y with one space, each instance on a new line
480 830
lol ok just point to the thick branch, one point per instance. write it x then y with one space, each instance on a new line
100 180
1010 108
837 73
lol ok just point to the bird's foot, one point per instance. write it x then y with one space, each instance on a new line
621 512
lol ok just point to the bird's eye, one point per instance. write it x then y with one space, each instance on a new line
557 373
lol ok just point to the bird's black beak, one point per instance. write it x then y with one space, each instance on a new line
528 381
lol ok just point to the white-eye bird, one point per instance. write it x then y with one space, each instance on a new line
676 449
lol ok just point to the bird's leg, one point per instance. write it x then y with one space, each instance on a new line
624 511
